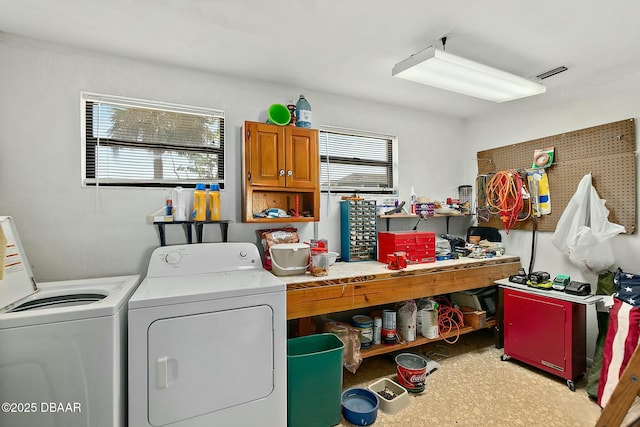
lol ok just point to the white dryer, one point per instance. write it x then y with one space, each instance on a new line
207 340
62 345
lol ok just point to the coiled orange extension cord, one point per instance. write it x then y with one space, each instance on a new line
505 198
449 319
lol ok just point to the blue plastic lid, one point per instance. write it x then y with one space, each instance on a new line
200 187
214 187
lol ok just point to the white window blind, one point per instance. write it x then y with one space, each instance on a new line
146 143
357 161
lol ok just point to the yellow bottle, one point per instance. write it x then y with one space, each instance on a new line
199 203
214 202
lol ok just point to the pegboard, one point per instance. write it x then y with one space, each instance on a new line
607 151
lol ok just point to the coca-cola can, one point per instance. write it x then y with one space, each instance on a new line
412 372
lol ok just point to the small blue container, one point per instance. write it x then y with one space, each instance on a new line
359 406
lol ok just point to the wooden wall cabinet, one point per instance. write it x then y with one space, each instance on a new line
280 163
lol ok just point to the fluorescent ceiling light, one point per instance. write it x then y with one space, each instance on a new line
438 68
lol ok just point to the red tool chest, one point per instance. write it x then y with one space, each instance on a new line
545 332
420 246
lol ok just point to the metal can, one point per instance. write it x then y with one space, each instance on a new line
388 326
377 330
365 325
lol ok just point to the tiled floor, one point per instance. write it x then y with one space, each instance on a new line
474 387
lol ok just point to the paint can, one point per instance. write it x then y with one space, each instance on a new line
388 326
365 325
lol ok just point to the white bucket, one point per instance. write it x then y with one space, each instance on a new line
289 258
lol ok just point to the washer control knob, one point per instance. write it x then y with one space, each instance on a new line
243 254
173 257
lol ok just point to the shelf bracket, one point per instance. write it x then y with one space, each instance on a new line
188 231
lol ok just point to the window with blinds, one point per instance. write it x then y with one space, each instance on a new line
355 161
132 142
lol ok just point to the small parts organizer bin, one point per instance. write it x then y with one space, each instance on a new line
420 246
358 230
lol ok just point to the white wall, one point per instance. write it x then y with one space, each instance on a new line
73 232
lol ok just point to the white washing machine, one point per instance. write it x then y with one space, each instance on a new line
207 340
62 345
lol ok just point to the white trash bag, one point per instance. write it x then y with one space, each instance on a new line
584 231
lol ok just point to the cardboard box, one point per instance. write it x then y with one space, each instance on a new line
477 319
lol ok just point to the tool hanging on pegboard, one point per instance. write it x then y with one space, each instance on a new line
508 197
482 209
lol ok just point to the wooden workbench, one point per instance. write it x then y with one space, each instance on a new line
355 285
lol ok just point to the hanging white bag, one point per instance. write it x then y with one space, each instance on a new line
584 232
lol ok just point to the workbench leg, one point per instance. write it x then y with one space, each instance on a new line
500 319
623 395
306 326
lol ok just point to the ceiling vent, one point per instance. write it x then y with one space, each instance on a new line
553 72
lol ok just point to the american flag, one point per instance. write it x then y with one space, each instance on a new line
623 333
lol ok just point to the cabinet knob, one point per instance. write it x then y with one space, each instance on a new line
289 173
281 173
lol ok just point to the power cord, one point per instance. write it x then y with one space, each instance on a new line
505 197
534 227
449 319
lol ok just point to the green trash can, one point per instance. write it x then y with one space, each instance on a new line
314 380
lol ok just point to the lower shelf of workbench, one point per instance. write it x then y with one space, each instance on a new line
378 349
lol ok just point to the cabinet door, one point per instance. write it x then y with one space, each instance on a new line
534 330
266 154
301 148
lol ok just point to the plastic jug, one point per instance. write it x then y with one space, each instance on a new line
303 113
214 202
200 203
179 203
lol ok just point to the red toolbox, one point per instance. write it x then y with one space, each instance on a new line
547 332
420 246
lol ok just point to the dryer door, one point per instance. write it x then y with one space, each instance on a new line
206 362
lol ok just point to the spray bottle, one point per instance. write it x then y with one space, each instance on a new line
413 201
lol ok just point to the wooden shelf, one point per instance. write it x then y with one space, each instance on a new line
378 349
284 219
199 225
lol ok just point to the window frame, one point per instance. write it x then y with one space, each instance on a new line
88 146
393 163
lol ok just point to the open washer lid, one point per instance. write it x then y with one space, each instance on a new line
16 278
